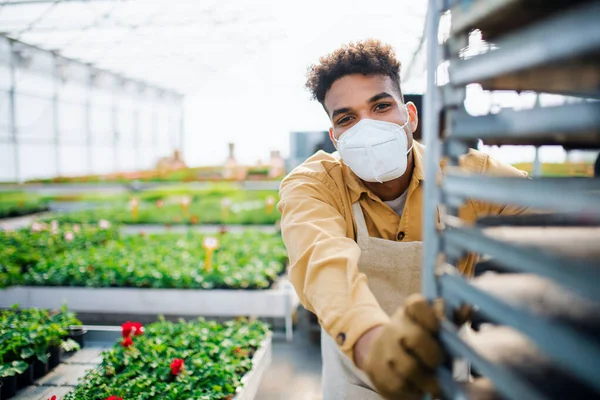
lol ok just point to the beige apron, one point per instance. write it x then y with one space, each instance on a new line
393 271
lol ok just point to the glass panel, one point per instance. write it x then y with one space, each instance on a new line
37 161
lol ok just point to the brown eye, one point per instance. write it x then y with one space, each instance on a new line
382 106
344 120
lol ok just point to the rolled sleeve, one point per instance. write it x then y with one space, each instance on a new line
324 261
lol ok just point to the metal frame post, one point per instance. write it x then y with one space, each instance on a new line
432 144
181 126
155 126
136 128
55 112
13 111
88 120
115 128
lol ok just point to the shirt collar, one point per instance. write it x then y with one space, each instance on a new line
356 187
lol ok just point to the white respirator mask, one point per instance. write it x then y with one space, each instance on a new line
376 151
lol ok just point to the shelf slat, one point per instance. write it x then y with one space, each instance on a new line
576 352
504 380
495 17
575 78
581 276
580 196
538 220
570 35
573 123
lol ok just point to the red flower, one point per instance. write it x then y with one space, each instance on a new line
113 398
129 328
127 342
138 328
52 398
126 329
240 352
176 366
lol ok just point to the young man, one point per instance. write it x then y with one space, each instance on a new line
351 222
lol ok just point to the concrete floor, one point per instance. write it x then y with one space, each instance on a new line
295 372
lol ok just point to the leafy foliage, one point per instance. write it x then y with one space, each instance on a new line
104 258
214 357
15 204
206 207
26 334
21 250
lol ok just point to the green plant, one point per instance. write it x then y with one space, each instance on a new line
26 334
249 260
206 207
15 204
212 358
70 345
12 368
65 317
22 249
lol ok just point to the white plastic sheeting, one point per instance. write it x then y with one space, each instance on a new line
64 118
177 44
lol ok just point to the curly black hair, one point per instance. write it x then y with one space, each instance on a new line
369 57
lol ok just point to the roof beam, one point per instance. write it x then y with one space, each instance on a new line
26 2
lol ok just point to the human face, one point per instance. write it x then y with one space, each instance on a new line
354 97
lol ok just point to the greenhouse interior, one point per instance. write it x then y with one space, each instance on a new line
183 214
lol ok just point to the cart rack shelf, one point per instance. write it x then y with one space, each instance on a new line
547 47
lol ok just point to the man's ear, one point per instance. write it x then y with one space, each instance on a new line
332 138
413 114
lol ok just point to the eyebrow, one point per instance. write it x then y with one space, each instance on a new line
339 111
379 96
373 99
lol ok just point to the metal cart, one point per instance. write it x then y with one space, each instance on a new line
545 47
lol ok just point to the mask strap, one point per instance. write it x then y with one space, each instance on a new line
406 123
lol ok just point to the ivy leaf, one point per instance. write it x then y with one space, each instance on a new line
42 355
27 353
20 366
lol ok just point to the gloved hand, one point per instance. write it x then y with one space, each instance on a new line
403 357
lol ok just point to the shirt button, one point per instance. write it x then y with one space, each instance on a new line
341 338
401 235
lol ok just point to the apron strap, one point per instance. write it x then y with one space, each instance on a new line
359 217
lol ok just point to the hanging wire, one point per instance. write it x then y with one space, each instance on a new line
36 21
104 16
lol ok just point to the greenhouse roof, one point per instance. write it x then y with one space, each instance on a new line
181 44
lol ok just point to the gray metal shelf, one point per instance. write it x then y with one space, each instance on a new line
580 275
495 17
539 220
567 346
542 194
507 382
550 47
574 125
527 59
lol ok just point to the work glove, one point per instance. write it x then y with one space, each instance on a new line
403 357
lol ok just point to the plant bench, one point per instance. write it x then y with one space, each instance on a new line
64 378
280 301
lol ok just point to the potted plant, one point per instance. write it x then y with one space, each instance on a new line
8 377
74 330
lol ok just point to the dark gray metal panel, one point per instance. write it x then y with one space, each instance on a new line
576 352
495 17
573 34
449 386
504 380
432 102
567 195
547 122
578 275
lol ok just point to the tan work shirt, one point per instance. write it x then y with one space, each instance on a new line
319 232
